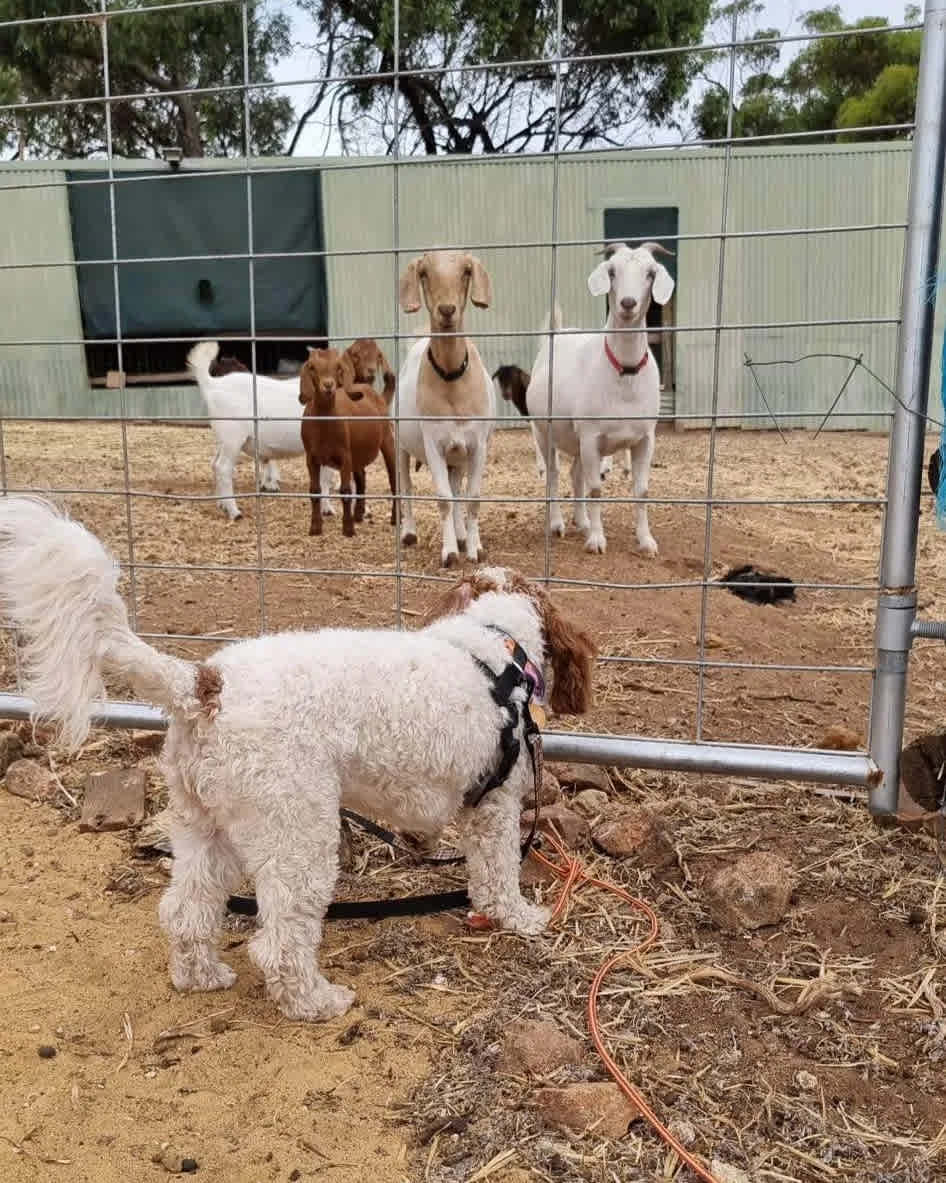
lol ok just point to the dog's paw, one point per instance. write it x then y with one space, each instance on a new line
528 920
197 978
328 1002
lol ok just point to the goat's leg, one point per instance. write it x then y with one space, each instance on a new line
459 509
578 488
489 838
360 509
224 463
315 491
539 454
405 488
325 481
642 454
387 454
269 482
591 468
449 554
627 461
347 485
474 486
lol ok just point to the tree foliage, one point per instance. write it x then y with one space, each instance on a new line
837 83
509 107
152 56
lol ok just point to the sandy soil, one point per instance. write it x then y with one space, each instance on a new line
252 1098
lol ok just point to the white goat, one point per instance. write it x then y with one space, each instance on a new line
444 380
610 374
279 431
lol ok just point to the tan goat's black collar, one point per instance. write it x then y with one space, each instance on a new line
449 375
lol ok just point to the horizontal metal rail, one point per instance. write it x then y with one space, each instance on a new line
845 768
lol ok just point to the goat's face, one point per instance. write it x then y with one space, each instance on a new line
364 355
445 280
631 278
513 383
321 376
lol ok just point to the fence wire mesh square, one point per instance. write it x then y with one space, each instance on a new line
789 347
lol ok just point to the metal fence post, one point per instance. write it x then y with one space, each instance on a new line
896 603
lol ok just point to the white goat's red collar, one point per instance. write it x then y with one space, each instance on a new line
622 370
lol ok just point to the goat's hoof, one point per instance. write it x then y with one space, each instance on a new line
269 488
330 1002
648 548
409 539
450 560
558 530
315 531
236 517
348 531
595 544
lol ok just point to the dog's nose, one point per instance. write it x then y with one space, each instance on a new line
447 311
628 303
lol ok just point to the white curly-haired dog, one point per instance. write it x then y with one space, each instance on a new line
269 737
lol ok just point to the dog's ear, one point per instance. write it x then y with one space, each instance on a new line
456 600
459 597
571 654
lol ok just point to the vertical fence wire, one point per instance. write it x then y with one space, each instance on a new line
551 469
714 405
260 498
103 23
396 219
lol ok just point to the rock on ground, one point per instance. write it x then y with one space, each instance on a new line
638 833
752 893
591 802
537 1047
579 1106
572 828
11 748
582 776
26 778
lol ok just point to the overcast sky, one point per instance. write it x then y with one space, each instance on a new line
781 14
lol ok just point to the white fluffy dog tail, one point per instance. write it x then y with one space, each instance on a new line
58 587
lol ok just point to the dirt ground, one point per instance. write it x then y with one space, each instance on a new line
252 1098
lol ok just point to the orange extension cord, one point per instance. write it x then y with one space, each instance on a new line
574 875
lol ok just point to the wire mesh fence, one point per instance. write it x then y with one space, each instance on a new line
786 249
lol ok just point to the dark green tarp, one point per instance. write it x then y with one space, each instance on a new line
191 214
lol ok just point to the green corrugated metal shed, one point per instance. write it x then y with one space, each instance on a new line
508 202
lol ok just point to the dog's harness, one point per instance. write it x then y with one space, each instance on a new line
449 375
622 369
519 674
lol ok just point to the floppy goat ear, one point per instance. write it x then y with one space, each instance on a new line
662 289
599 281
571 654
345 371
481 286
306 385
408 288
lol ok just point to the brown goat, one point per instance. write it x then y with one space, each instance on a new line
367 360
337 440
